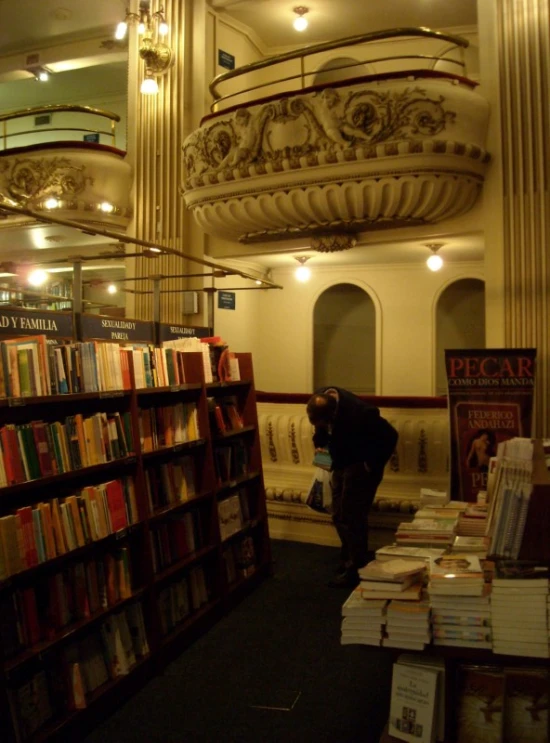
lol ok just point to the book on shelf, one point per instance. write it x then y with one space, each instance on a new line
414 694
480 704
437 664
526 708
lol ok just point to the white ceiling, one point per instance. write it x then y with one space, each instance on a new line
333 19
27 25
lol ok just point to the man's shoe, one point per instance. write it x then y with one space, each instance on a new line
349 579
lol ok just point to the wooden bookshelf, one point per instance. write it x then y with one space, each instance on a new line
172 548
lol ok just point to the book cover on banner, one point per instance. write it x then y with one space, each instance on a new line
413 703
490 395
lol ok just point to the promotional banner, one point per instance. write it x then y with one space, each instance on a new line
490 400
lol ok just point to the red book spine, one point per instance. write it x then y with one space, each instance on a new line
30 615
42 449
117 506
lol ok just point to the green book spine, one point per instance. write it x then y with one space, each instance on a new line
24 372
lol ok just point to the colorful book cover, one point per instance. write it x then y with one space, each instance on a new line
490 400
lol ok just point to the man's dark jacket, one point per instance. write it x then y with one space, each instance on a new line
359 433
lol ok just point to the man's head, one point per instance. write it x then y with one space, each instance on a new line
321 410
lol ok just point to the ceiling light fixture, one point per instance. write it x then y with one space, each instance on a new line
302 273
157 55
300 23
37 277
434 262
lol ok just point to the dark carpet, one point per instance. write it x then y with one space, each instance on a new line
279 648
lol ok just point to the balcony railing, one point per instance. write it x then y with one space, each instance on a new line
68 127
303 67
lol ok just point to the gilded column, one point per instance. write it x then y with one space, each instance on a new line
160 125
521 99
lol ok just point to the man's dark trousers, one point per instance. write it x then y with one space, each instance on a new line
353 491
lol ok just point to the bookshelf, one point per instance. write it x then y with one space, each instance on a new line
91 614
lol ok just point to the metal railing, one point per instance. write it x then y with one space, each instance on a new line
37 130
300 55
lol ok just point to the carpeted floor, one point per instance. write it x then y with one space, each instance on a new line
278 649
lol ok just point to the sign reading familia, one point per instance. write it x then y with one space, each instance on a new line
31 322
490 400
115 329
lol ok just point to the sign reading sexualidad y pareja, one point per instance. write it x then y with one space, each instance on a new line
490 400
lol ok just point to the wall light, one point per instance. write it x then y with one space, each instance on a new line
112 289
302 273
158 57
300 23
51 203
434 262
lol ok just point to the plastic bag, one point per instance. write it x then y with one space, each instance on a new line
319 497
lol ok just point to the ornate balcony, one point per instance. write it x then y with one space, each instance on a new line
86 181
406 147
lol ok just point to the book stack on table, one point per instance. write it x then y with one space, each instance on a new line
362 621
408 613
460 602
519 605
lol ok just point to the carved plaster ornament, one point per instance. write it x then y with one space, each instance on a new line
28 178
333 243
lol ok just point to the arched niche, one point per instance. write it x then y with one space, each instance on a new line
344 339
459 322
340 68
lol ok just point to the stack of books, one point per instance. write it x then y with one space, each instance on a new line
393 551
519 604
427 532
435 498
462 621
456 575
472 545
511 494
408 624
392 579
362 621
472 522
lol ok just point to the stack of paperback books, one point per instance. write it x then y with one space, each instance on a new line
472 545
408 624
519 602
460 603
401 579
362 621
393 551
472 522
462 621
456 575
427 532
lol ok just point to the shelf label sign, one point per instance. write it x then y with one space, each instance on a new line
226 300
490 400
175 332
91 137
33 322
100 327
226 60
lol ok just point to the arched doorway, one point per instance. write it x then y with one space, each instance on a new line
344 336
460 322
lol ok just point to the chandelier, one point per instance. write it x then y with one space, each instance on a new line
152 28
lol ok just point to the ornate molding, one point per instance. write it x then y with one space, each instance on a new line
344 160
29 178
82 182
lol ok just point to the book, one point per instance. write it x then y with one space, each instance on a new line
526 708
479 705
413 703
391 570
439 665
